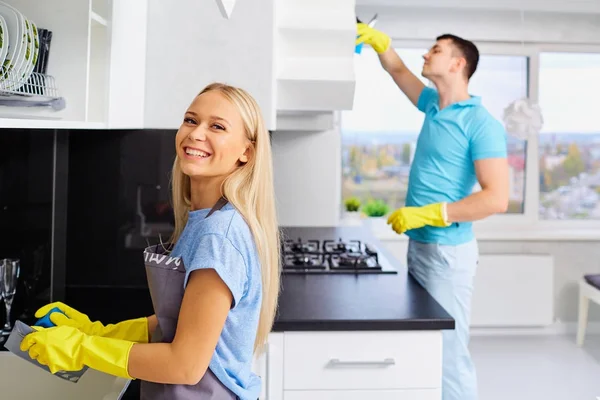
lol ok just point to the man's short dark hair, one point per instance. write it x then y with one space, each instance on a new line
467 49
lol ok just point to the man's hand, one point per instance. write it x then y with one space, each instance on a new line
378 40
408 82
407 218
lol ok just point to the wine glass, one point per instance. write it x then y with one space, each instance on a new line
10 269
2 337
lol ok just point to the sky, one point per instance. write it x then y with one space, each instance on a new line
569 83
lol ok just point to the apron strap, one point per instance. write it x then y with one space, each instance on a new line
218 205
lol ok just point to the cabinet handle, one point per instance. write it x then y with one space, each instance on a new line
334 362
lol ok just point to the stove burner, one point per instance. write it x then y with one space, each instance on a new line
330 256
332 246
304 261
299 246
354 261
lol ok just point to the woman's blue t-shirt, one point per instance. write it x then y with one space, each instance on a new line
224 242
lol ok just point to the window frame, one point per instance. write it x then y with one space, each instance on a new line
529 219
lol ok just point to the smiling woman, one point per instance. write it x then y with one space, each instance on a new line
214 288
210 144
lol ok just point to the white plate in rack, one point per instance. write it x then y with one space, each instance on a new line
20 62
36 45
4 39
15 35
27 65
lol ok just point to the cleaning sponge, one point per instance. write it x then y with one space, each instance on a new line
45 321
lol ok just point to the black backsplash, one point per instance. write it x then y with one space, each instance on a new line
26 192
118 203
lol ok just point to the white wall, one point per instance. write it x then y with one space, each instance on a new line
307 168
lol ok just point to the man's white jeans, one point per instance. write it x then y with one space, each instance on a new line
447 273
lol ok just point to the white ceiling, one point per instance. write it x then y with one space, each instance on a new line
566 6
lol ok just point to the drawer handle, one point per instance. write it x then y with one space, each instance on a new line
334 363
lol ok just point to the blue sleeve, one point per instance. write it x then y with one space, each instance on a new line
218 253
427 97
488 140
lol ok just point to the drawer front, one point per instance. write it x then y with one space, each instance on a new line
415 394
362 360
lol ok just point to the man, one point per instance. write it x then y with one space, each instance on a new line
460 143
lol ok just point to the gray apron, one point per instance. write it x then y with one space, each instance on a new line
165 280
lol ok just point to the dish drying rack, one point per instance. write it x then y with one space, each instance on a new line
39 90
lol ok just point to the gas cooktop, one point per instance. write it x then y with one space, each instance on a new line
332 256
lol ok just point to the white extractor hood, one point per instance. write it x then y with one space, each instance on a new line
314 44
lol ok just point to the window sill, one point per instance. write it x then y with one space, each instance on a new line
500 233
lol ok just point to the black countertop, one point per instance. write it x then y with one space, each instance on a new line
349 302
317 302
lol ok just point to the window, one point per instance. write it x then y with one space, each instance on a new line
569 144
380 133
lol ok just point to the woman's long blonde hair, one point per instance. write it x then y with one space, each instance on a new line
249 188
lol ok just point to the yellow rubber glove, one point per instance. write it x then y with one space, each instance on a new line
65 348
407 218
133 330
378 40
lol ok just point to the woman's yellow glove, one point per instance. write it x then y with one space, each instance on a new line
65 348
407 218
378 40
134 330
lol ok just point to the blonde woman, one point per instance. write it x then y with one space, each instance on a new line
215 290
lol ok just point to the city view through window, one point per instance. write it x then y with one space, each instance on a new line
569 146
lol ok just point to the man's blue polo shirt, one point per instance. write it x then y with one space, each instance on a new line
443 169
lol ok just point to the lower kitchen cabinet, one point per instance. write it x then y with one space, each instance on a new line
419 394
403 365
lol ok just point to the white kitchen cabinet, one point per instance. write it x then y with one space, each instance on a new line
362 360
190 45
405 365
416 394
269 367
291 55
97 62
315 54
78 62
139 63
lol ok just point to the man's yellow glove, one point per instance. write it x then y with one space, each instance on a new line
133 330
407 218
65 348
378 40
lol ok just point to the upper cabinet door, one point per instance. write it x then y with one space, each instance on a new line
190 45
315 55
